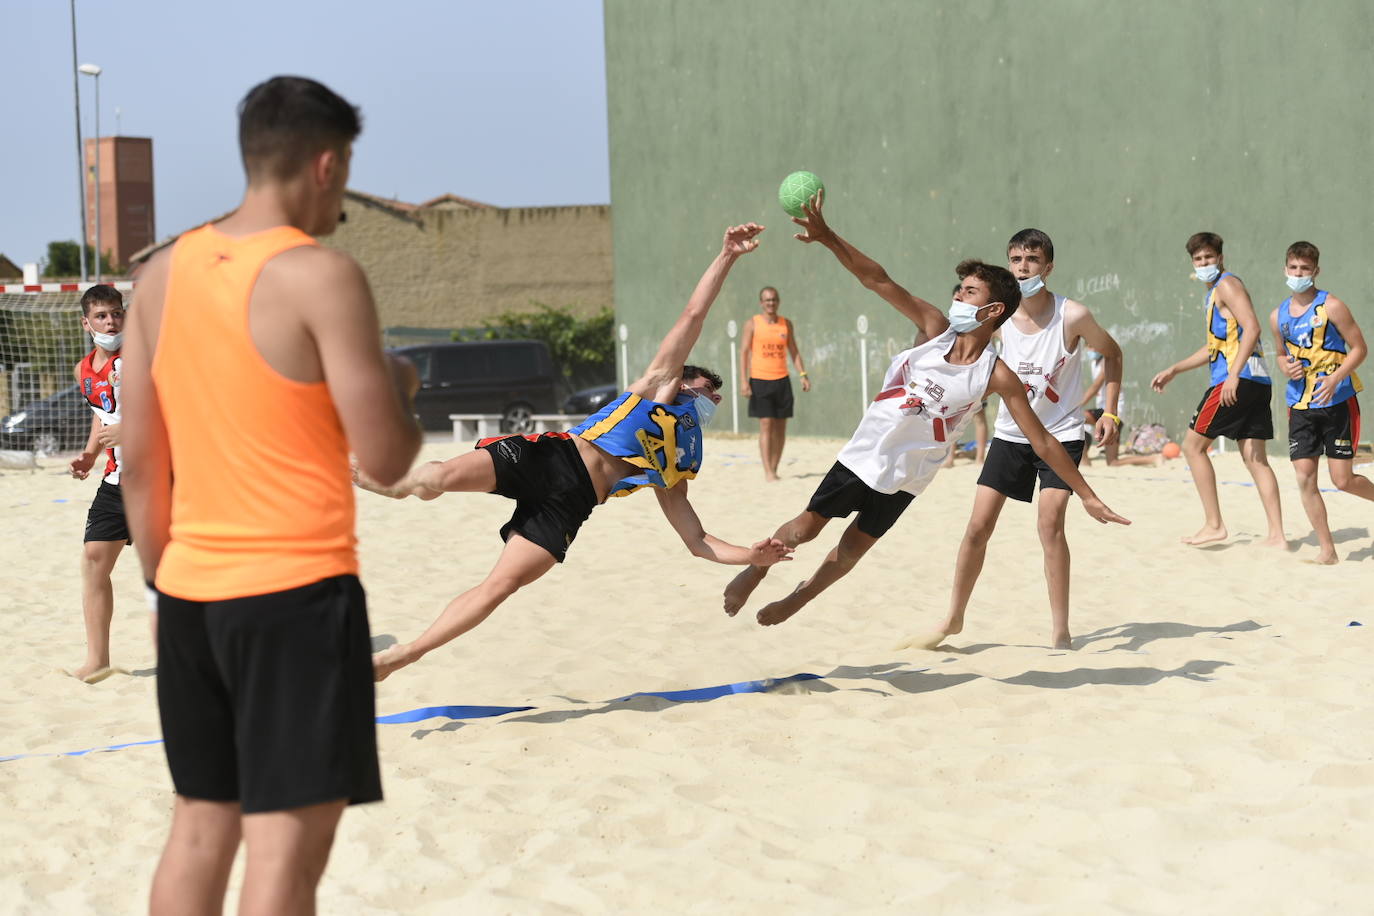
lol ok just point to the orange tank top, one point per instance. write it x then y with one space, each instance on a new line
262 496
768 359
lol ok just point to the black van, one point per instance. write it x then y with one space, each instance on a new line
513 378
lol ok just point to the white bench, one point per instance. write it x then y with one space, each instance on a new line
470 426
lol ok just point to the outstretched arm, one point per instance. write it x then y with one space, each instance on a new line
1013 392
1192 361
661 380
683 518
868 271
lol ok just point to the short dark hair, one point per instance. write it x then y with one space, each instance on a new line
1200 240
288 119
101 292
767 288
1033 239
690 372
1305 250
1002 286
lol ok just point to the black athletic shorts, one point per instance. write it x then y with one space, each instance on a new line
267 700
105 520
842 492
1012 467
552 490
1332 431
770 397
1248 418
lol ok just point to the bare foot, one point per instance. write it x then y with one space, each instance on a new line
1279 542
1324 559
741 587
771 478
1062 641
92 674
773 614
927 641
1207 534
389 660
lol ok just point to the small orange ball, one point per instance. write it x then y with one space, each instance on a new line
1171 450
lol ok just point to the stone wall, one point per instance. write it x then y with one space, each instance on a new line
453 267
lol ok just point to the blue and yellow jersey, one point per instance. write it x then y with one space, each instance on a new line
1223 342
1314 341
662 439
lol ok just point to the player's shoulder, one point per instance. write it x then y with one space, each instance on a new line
1074 311
1232 284
1336 303
314 263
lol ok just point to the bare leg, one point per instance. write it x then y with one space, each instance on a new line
987 506
471 472
1195 447
1150 461
193 873
766 448
287 853
521 562
779 437
1345 479
97 606
1050 523
852 546
801 529
1257 463
1306 470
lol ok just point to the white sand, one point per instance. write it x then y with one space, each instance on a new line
1208 747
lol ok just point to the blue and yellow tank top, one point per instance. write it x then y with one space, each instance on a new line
1223 343
662 439
1315 342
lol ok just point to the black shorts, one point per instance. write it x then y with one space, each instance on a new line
267 700
770 397
1012 467
552 490
1332 431
1248 418
105 520
842 492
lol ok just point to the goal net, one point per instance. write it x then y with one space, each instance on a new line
42 412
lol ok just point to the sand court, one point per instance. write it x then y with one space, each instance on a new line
1206 746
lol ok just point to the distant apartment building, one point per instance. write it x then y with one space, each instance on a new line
126 195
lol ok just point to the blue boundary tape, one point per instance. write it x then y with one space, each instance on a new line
692 695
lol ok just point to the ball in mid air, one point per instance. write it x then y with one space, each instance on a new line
796 190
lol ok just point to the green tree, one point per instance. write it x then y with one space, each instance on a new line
584 348
64 260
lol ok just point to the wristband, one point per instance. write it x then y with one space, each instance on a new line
802 374
1112 417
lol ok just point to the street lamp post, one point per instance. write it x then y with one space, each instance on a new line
93 71
80 149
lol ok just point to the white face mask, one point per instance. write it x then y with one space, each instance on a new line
1032 285
1207 273
1298 284
706 408
107 342
963 317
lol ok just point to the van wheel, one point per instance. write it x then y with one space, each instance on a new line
518 419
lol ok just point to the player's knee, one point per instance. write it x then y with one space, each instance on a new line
978 532
1343 479
1307 478
1051 529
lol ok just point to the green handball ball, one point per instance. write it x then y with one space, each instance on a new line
797 189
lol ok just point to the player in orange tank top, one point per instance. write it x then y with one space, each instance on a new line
769 339
264 662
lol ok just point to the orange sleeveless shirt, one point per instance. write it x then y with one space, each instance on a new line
768 358
262 495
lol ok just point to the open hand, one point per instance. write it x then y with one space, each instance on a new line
1159 381
1098 510
1325 391
769 551
1106 431
811 219
741 239
1229 391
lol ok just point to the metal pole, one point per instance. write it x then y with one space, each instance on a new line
98 277
734 386
863 371
80 151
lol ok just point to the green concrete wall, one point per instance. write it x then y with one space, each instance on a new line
942 128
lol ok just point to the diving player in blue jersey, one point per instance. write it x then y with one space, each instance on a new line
650 436
1236 403
1319 346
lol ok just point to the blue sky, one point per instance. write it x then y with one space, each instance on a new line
504 102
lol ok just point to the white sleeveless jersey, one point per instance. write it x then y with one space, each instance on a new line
1052 375
911 425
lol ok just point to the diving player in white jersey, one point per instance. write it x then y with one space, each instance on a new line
929 393
1043 343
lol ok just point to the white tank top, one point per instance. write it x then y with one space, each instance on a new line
909 428
1052 375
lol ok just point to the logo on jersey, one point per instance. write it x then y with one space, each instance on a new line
935 391
105 401
86 386
913 403
1025 368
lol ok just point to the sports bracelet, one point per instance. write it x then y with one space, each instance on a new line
1113 417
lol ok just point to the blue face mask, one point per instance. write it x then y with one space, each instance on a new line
1298 284
1208 273
963 317
706 408
1031 285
